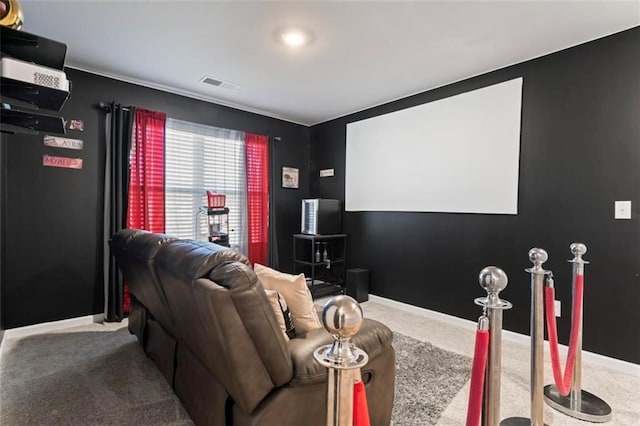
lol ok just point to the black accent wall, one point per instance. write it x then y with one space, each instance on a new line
52 259
579 152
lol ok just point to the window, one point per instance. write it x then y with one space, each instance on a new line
202 158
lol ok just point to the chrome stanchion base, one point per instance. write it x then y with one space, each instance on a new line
517 421
591 409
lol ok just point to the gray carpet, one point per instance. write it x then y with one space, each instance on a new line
85 377
428 379
99 375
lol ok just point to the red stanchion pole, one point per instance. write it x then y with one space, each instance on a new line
563 380
474 407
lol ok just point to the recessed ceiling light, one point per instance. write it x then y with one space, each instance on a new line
294 37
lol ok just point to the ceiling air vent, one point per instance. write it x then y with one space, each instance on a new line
219 83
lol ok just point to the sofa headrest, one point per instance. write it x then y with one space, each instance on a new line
122 238
146 245
234 275
195 259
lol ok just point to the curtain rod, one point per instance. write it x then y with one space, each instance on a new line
107 107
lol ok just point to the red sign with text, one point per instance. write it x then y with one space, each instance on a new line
64 162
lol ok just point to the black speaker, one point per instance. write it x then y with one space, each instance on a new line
358 284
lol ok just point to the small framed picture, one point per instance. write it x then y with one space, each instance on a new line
76 125
289 177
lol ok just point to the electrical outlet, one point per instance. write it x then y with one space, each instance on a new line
622 210
558 308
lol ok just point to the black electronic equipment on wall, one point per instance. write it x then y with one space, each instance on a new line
321 216
32 77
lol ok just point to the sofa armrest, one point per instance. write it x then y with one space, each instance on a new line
373 338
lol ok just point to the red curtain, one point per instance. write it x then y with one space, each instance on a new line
145 208
146 178
257 149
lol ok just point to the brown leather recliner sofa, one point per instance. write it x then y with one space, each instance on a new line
202 316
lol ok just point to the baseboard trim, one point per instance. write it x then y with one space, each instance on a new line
590 358
52 326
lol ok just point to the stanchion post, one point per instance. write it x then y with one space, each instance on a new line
493 280
575 396
537 256
342 317
579 403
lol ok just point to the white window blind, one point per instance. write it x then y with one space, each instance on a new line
201 158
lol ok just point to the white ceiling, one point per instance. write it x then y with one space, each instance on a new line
363 53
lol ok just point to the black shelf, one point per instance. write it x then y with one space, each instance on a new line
324 277
41 51
325 289
304 262
32 48
39 96
35 121
319 237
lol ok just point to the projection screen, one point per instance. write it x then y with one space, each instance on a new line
459 154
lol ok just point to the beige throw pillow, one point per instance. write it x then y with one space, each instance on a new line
283 315
296 293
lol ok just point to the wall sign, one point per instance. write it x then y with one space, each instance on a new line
64 162
76 125
63 142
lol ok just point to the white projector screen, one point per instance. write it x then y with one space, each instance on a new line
459 154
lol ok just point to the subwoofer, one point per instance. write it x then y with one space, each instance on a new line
358 284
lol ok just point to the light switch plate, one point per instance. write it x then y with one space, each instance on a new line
558 308
623 210
326 172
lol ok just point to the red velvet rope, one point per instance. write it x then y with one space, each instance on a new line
360 407
474 408
563 381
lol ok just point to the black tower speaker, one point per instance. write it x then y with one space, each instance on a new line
358 284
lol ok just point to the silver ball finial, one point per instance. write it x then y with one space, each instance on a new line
578 249
493 279
342 317
538 256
